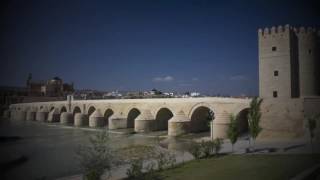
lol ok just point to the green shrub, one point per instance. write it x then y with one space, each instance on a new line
97 158
165 159
195 150
207 148
217 145
135 169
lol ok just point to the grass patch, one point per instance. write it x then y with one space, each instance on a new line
243 167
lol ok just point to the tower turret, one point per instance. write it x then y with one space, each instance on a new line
307 54
278 64
288 62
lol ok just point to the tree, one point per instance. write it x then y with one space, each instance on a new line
312 124
210 119
233 132
254 116
96 158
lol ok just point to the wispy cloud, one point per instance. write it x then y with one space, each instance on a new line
163 79
238 78
185 84
195 79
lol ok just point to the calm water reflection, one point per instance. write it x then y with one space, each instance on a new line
50 148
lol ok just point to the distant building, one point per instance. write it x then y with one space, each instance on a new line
50 88
40 91
194 94
170 94
89 94
112 95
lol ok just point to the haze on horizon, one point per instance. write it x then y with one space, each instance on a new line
180 45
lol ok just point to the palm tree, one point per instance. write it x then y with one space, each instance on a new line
254 116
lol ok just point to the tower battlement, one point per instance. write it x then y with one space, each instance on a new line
273 30
280 30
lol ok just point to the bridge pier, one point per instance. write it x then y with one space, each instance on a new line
66 118
12 114
220 125
6 114
42 115
117 122
31 115
54 115
19 115
81 119
145 122
178 124
96 119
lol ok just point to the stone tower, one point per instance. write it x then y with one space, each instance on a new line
288 62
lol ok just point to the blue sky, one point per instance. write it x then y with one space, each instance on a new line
172 45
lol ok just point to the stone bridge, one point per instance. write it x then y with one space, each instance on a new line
176 115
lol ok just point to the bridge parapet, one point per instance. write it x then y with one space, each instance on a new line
177 115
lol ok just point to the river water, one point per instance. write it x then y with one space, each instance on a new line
50 148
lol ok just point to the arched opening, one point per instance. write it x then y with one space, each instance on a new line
76 110
242 122
63 109
107 114
162 118
41 107
200 119
51 109
91 110
132 115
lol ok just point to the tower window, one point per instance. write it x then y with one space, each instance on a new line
274 48
309 51
275 94
276 73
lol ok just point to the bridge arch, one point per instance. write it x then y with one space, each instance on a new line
132 115
63 109
76 109
91 110
242 121
51 108
107 113
200 118
162 118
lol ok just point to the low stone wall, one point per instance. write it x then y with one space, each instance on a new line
282 118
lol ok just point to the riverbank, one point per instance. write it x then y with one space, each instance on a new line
257 166
50 148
